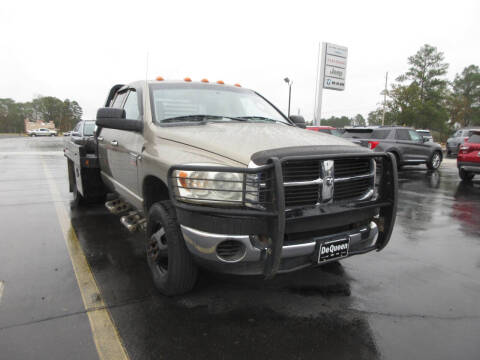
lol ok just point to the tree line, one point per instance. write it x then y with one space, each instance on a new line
343 121
424 98
64 114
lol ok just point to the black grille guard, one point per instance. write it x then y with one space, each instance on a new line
274 215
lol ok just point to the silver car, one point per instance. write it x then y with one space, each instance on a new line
457 139
42 132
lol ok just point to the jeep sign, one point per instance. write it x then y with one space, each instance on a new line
334 66
331 73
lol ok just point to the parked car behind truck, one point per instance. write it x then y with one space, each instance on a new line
325 129
220 178
42 132
406 144
426 134
457 139
468 160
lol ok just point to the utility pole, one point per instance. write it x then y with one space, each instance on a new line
384 99
289 82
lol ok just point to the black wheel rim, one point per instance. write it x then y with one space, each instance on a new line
157 250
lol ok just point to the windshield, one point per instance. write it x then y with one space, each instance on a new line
194 102
89 128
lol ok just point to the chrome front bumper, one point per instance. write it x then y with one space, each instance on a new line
203 246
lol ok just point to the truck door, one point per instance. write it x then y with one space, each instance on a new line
107 149
129 147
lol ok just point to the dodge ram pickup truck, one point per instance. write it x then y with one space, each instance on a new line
218 177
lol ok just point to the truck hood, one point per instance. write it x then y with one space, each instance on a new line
238 141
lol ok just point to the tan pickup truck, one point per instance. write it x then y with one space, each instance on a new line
218 177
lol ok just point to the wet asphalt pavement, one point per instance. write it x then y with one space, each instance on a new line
417 299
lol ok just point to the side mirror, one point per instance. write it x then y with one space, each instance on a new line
75 133
424 139
113 118
299 121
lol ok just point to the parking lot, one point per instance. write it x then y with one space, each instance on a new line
418 298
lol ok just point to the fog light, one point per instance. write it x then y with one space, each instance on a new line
231 251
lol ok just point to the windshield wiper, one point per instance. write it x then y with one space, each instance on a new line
196 117
200 118
261 118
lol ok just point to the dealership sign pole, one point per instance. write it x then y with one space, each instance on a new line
333 67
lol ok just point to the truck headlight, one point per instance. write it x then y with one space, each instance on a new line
209 187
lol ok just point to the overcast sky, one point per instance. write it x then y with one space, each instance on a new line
79 49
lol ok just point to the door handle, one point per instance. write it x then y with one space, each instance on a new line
114 142
100 138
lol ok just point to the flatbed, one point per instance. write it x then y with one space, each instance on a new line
84 173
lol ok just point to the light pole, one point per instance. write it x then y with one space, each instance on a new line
289 82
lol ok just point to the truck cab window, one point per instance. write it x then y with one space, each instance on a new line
119 98
131 106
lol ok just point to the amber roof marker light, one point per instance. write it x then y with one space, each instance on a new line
159 78
237 85
187 79
204 80
220 82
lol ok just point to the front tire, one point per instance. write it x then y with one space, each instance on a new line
435 161
171 265
465 175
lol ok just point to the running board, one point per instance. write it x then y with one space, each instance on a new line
133 221
117 206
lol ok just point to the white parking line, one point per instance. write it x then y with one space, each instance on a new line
105 334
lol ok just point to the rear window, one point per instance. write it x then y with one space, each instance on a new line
380 134
475 138
356 134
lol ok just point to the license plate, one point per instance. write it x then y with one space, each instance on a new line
334 249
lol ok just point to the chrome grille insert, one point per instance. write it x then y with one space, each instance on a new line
312 182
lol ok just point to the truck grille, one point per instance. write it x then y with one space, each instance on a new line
351 189
304 170
303 181
351 167
301 195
